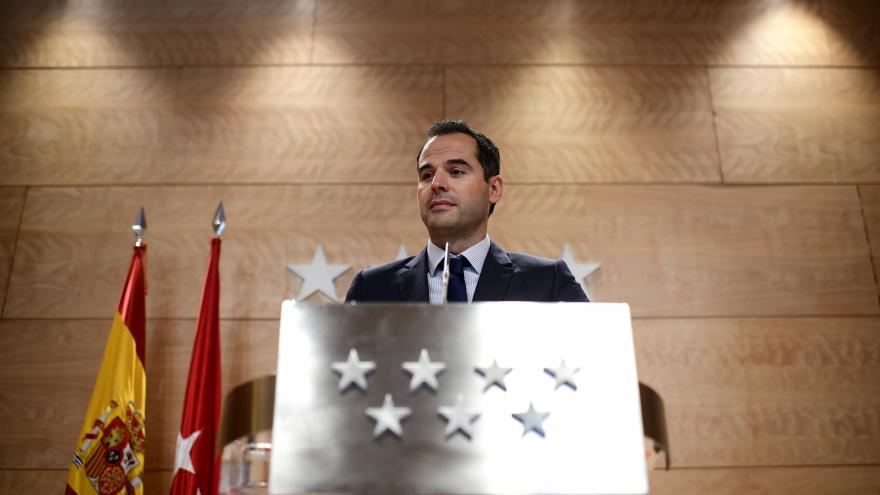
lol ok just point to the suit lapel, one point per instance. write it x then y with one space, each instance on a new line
412 279
495 276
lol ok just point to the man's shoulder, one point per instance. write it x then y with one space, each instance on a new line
531 262
387 268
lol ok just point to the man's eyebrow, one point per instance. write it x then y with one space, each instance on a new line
458 161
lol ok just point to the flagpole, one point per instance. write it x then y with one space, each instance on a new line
139 227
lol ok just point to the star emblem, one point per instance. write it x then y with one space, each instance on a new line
581 271
564 375
182 457
401 253
532 420
353 371
318 276
424 371
458 418
494 375
388 417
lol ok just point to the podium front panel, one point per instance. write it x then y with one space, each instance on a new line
590 440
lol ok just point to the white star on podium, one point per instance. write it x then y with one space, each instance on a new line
494 375
458 419
564 375
318 276
424 371
532 420
581 271
354 371
182 458
388 417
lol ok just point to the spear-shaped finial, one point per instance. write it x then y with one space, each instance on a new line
139 227
219 222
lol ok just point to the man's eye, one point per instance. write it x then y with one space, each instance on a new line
427 175
457 171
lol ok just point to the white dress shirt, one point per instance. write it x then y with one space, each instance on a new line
476 256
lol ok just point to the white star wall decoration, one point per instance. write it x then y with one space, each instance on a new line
318 276
581 271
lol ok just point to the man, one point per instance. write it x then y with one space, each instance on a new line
459 185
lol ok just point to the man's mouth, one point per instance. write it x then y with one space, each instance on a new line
441 204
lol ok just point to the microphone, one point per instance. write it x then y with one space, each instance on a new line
445 288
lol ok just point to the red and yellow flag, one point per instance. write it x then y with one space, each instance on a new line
109 455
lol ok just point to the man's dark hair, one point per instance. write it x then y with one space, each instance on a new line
487 152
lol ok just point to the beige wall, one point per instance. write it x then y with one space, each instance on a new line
720 159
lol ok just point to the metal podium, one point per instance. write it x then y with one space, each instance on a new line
486 398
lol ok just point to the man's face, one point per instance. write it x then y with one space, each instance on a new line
453 194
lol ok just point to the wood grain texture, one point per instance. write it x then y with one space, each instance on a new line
763 392
11 205
568 31
756 481
269 125
870 196
83 126
666 250
798 125
575 124
49 369
82 33
315 124
853 28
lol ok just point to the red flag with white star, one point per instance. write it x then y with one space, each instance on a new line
197 462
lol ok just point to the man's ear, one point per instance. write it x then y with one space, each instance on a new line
496 189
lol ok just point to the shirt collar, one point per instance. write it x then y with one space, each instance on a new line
476 254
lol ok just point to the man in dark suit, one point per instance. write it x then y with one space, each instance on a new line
459 186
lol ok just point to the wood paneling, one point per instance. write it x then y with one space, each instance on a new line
575 124
702 251
83 126
123 33
666 250
870 196
768 481
798 125
11 204
763 481
48 369
315 124
853 28
269 125
765 392
568 31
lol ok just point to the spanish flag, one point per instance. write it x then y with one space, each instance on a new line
109 454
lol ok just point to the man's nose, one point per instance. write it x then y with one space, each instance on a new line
438 182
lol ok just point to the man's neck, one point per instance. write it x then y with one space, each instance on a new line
458 246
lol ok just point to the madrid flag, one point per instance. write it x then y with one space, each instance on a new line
109 455
197 463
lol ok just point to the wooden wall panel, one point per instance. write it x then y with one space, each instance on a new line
11 205
870 196
768 392
853 28
83 126
702 251
48 369
798 125
268 125
304 124
568 31
575 124
766 481
666 250
81 33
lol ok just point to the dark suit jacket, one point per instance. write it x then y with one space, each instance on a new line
505 277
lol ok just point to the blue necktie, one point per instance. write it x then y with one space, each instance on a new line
457 290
